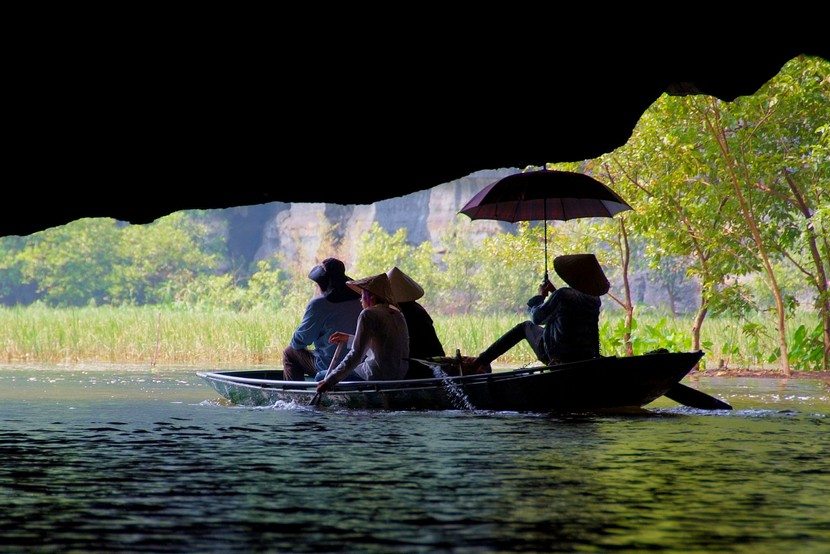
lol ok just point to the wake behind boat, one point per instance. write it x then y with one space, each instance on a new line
596 384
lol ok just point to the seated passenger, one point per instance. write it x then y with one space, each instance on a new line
423 340
335 307
565 326
380 346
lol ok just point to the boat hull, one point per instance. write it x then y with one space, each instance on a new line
603 383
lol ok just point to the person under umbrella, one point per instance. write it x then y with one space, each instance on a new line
563 327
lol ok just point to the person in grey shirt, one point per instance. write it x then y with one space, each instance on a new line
380 346
334 309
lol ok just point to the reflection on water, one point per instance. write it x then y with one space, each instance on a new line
139 461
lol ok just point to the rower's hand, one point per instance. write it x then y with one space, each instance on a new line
546 287
339 336
323 386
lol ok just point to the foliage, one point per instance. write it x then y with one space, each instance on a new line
806 348
73 265
508 274
379 251
700 174
14 287
211 335
157 263
458 264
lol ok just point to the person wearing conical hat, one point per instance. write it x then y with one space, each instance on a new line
423 340
563 327
335 307
380 346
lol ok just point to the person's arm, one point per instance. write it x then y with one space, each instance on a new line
309 328
360 345
541 309
340 336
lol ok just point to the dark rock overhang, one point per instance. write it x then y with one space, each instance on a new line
143 133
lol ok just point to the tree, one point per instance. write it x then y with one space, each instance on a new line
771 151
72 265
14 287
509 271
379 251
787 145
156 262
676 210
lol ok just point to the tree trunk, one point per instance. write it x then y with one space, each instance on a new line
672 300
700 316
820 280
698 323
699 250
625 255
749 218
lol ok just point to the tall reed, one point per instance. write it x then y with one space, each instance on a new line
204 337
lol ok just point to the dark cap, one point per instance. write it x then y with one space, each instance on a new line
330 271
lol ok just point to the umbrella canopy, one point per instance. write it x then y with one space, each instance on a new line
543 195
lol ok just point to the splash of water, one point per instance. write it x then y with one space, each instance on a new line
457 397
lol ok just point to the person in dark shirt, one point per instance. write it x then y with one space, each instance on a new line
335 308
423 340
563 327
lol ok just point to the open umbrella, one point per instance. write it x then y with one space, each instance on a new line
543 195
562 195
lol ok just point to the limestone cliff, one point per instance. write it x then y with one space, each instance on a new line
304 233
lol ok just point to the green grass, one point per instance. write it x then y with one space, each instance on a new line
143 335
169 336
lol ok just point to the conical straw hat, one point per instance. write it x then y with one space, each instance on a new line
582 272
404 287
376 284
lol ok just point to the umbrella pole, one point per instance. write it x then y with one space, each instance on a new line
546 239
546 250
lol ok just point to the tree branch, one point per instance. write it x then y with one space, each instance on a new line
795 263
615 299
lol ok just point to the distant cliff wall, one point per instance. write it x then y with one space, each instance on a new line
304 234
301 232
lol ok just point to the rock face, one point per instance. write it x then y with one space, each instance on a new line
305 233
302 234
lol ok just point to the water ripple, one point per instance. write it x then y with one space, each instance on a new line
169 471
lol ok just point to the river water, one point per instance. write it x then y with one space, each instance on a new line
114 459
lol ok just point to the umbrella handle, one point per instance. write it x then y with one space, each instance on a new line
546 283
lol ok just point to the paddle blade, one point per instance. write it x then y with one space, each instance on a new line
693 398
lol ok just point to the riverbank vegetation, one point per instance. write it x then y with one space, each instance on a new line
731 208
153 335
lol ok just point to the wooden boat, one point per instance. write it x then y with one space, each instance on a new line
598 384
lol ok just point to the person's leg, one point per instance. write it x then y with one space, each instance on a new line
535 338
526 330
296 364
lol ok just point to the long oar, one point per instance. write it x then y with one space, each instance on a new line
315 400
693 398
